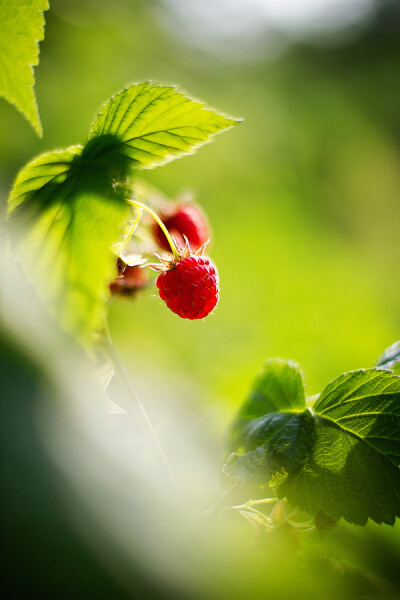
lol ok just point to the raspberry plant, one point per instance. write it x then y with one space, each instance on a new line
336 455
82 210
74 204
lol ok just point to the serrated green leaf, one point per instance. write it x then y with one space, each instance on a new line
21 28
353 470
281 437
342 457
390 357
70 213
157 124
278 387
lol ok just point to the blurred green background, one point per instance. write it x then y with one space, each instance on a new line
303 196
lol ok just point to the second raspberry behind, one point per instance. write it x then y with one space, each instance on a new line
183 220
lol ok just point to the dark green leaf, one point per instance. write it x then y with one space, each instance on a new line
275 443
342 457
273 434
157 124
324 523
353 468
289 448
278 387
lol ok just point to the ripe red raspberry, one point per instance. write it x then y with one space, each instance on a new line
189 286
183 220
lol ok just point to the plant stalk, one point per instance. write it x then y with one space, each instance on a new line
143 415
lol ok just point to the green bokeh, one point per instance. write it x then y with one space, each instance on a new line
303 199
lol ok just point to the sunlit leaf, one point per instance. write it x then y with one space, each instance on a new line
157 124
21 28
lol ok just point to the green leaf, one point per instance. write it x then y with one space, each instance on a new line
70 212
278 387
289 448
157 124
21 28
353 470
250 467
276 443
390 358
274 435
342 457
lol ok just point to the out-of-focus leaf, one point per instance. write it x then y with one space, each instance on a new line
390 359
250 467
157 124
70 213
324 523
21 28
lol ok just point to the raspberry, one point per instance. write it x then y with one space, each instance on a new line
189 286
183 220
129 281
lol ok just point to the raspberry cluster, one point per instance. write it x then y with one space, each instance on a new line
189 287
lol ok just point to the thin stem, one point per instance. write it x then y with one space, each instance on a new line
135 223
259 513
251 503
171 242
144 417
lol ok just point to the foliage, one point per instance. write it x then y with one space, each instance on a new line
157 124
340 456
333 456
72 204
21 28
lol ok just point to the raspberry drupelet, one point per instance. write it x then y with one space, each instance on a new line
189 286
